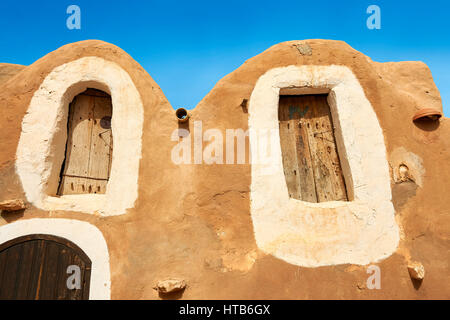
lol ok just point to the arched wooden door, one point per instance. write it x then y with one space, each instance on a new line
36 267
87 165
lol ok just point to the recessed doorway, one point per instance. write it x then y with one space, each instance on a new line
311 161
87 164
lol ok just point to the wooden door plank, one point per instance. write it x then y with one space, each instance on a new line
320 166
338 191
62 292
26 278
101 146
10 274
86 280
288 143
60 284
295 149
78 294
3 261
308 184
49 280
47 274
36 270
323 151
78 146
68 257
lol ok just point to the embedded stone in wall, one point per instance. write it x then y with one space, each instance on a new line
12 205
416 270
407 166
170 286
404 173
304 49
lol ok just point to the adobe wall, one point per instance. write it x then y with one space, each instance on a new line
194 221
8 70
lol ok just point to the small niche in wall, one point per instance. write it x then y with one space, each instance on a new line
311 161
87 164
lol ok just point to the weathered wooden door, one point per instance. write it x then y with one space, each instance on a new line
35 267
89 148
311 162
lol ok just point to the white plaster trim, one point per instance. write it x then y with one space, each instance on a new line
41 149
83 234
361 231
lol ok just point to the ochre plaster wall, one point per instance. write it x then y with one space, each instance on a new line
194 222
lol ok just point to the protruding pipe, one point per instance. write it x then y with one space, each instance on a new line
427 114
182 115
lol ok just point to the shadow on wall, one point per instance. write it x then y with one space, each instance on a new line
172 296
427 125
417 283
12 216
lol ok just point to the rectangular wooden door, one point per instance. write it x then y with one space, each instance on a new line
310 159
89 145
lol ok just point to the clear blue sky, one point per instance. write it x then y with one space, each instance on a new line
187 46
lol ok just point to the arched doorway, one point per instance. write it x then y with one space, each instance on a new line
41 267
45 138
87 163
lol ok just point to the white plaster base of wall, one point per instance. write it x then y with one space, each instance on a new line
361 231
83 234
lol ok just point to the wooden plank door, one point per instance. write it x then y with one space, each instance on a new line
89 148
310 159
35 268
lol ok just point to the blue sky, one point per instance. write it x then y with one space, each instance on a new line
187 46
